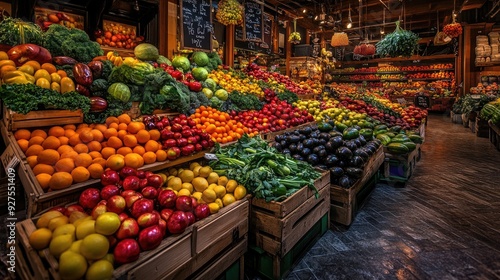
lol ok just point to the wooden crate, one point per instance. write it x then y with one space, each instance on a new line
10 140
345 202
277 226
494 135
271 135
270 266
482 128
399 168
14 121
456 118
177 257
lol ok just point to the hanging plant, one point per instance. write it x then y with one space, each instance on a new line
294 37
339 39
230 12
399 43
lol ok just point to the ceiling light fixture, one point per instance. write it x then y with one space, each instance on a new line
349 24
136 5
304 11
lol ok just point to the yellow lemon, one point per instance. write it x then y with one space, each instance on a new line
214 207
220 191
184 192
231 185
57 221
44 220
209 195
72 265
240 192
40 238
60 244
228 199
94 246
100 270
85 228
175 183
64 229
200 184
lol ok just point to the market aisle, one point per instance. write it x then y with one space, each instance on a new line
444 225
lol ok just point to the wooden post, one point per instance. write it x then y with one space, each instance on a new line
288 48
167 29
276 35
229 47
308 38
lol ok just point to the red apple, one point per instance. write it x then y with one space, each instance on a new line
184 203
131 183
123 216
190 217
202 211
148 173
141 174
89 198
163 226
126 251
110 177
167 198
141 206
148 219
98 210
131 199
109 190
72 208
127 171
61 209
150 237
128 229
177 223
194 202
116 204
143 183
150 192
166 213
154 180
128 193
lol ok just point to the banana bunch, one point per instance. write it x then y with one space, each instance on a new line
230 12
294 38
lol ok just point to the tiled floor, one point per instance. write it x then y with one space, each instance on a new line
445 224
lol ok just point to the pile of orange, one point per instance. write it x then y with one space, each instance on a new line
220 125
62 156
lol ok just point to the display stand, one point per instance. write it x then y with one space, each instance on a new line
494 135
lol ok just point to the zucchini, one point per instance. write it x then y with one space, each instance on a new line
377 132
395 129
350 133
380 127
367 133
397 148
390 134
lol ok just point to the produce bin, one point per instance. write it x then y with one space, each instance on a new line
482 128
399 168
494 135
205 249
274 267
14 121
345 202
276 227
270 135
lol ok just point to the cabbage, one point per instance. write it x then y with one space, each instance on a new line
120 91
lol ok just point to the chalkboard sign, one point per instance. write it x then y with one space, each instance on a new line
239 33
196 19
422 101
253 22
268 31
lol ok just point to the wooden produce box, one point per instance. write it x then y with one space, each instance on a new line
207 243
456 118
270 266
494 135
399 168
345 202
482 128
271 135
14 121
277 226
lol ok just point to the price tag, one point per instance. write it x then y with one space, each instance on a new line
9 158
210 156
475 96
401 101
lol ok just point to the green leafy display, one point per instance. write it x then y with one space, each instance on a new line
399 43
15 32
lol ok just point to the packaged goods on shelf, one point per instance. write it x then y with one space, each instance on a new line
482 40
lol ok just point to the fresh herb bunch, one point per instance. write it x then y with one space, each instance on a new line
245 102
263 170
399 43
24 98
288 96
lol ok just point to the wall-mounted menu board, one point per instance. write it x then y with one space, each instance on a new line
196 20
239 33
268 30
253 21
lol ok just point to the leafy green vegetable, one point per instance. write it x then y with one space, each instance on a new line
244 102
72 42
177 97
130 75
119 91
288 96
214 61
15 32
99 85
23 98
262 169
196 100
107 67
399 43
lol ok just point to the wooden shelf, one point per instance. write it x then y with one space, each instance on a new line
121 52
393 72
399 59
487 64
389 80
